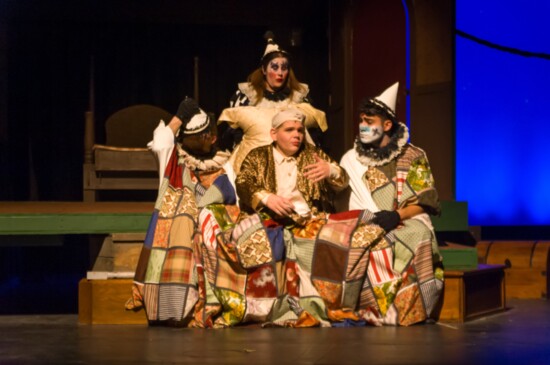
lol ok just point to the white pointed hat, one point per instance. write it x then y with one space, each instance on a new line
388 99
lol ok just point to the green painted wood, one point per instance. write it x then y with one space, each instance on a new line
455 258
454 217
84 223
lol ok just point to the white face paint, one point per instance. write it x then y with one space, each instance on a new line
370 134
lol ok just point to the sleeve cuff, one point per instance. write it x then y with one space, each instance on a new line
260 198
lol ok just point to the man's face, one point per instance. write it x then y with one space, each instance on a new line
288 137
276 73
198 145
372 128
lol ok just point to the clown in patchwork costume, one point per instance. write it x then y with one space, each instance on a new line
392 179
193 183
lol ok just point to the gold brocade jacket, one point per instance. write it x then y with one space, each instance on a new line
257 177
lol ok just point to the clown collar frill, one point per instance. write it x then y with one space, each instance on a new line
208 164
371 156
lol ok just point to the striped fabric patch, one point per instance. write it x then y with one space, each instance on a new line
199 192
423 262
171 300
150 300
380 266
357 263
431 291
367 298
209 228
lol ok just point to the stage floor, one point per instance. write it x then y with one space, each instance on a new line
518 336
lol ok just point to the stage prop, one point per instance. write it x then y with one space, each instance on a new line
527 264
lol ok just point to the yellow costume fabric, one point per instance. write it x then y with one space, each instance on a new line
256 125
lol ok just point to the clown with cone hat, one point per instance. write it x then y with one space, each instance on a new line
392 178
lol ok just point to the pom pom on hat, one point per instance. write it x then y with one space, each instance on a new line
194 119
271 45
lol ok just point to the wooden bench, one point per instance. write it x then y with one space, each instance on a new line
472 293
102 301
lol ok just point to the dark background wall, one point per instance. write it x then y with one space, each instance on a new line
141 52
144 52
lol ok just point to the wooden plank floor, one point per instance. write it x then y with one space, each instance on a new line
517 336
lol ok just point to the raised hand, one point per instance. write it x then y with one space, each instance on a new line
317 171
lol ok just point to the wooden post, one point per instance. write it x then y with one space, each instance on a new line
196 79
89 141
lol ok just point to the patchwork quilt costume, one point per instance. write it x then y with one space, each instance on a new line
404 272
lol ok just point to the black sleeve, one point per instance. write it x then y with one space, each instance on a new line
228 137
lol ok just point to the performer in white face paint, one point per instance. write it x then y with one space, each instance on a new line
392 178
270 88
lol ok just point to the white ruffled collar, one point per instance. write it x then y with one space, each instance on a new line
370 156
194 163
298 96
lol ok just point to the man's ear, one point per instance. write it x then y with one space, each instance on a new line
214 139
387 125
273 134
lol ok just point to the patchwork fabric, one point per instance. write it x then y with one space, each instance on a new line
178 266
230 277
337 232
170 202
262 282
154 266
188 204
255 250
179 232
329 263
366 235
375 178
171 299
206 265
162 232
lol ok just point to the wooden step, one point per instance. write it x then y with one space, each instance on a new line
102 302
473 293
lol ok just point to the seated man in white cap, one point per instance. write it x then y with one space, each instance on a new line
392 179
289 178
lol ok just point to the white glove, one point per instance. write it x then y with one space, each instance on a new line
163 138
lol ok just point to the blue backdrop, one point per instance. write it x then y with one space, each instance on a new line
502 70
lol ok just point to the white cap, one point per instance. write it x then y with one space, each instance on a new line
286 115
198 123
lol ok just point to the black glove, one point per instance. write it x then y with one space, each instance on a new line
187 109
387 219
